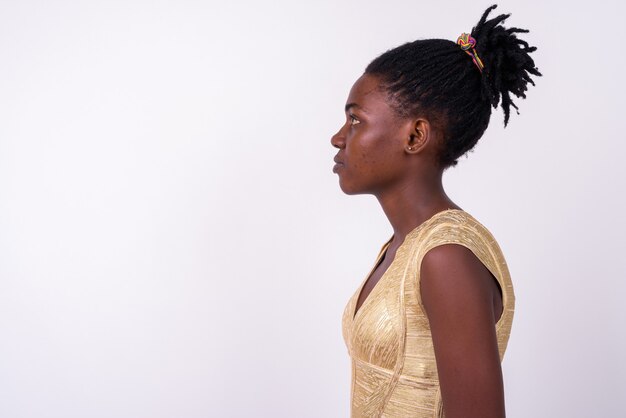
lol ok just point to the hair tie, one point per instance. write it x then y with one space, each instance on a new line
467 43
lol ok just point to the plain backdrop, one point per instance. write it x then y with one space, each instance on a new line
173 242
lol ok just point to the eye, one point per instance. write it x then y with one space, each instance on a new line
354 120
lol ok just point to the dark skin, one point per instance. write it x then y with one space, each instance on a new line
395 159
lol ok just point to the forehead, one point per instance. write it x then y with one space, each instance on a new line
367 94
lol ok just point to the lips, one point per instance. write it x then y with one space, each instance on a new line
338 164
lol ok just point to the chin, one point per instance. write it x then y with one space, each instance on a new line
350 189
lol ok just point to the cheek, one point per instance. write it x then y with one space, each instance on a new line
377 159
370 171
373 155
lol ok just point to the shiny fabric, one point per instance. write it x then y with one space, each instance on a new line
394 373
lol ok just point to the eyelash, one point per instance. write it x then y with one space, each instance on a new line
353 120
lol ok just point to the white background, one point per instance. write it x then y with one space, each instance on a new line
173 242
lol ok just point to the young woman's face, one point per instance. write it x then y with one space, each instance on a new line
371 142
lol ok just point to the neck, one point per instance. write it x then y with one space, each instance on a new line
410 204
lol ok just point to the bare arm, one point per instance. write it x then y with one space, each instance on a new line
457 292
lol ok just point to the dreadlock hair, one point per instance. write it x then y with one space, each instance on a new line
437 79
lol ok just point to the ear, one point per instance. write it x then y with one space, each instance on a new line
420 134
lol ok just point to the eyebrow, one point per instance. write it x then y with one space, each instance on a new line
353 105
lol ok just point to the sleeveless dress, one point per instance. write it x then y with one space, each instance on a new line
394 373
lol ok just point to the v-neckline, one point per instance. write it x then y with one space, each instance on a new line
383 253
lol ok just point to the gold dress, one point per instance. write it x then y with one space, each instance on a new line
394 373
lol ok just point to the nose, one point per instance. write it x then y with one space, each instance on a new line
338 140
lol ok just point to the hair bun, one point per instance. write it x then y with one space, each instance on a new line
507 62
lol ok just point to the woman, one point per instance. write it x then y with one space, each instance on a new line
429 326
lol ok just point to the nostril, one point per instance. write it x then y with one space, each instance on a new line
336 140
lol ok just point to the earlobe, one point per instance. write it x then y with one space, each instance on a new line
413 145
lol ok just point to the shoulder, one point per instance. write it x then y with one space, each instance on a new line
453 224
456 261
456 227
452 271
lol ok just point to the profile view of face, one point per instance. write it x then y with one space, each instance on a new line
370 141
